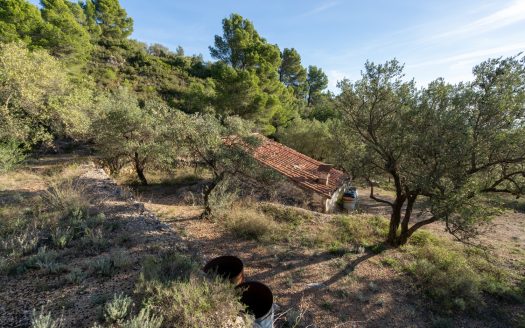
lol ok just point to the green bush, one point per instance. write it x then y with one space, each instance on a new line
223 196
94 241
121 259
45 260
118 308
248 223
10 156
445 277
197 302
61 236
441 322
167 267
21 242
174 290
285 213
102 266
76 276
145 319
41 319
68 199
360 229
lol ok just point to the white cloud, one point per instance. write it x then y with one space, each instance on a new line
321 8
513 13
472 56
335 76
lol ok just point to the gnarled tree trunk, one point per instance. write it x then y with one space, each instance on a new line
139 168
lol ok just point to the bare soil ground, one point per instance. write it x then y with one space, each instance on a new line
312 286
134 231
325 289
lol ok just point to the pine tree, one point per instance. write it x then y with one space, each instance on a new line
66 37
114 22
247 75
291 72
20 20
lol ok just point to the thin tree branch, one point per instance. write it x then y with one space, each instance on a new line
372 196
419 224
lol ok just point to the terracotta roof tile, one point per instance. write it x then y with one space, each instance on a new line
298 167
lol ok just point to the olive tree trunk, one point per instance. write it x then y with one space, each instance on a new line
139 168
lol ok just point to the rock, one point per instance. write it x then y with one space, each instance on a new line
316 285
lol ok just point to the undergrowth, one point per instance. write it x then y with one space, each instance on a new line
54 219
175 291
455 278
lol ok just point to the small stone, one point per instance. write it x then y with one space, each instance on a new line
316 285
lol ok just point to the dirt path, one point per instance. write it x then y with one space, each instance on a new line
326 290
135 232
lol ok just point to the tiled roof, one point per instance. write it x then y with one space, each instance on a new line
300 168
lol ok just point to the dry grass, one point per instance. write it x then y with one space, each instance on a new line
22 180
249 223
174 290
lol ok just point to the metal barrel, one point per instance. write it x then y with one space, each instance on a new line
258 299
228 267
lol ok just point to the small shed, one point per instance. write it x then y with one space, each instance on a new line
324 181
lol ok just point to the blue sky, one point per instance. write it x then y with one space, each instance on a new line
439 38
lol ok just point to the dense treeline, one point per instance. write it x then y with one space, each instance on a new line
67 68
70 70
90 40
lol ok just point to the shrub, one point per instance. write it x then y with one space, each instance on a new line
197 302
445 277
169 266
10 156
183 298
223 196
96 220
68 199
46 260
102 266
121 259
250 224
360 229
61 236
144 320
441 322
21 243
118 309
40 319
285 213
76 276
94 241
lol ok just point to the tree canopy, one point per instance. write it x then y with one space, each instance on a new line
444 145
247 76
316 82
67 37
291 72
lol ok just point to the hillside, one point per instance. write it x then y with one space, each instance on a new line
127 165
324 270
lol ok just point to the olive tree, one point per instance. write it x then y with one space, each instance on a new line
127 133
222 147
442 147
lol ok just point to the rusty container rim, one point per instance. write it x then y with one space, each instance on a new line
257 297
228 267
